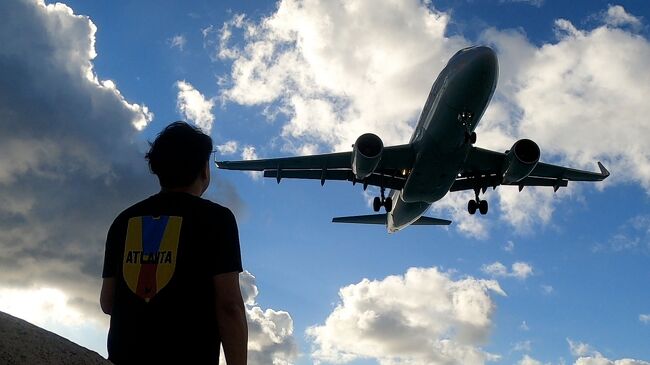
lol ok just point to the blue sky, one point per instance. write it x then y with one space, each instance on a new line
543 278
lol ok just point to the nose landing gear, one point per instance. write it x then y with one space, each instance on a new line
382 201
465 119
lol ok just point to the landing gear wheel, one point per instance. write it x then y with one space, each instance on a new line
376 204
471 206
483 207
388 204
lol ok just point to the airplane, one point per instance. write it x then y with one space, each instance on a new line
439 158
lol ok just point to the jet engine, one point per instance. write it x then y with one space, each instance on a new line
366 154
522 159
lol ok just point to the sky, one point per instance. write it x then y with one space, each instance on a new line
544 278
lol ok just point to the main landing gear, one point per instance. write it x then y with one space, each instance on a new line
481 205
382 201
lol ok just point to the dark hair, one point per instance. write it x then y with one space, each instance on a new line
178 154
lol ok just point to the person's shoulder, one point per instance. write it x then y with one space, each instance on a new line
215 208
134 209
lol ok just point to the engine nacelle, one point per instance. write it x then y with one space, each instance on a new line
366 154
522 159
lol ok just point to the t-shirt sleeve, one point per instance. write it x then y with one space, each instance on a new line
111 253
227 257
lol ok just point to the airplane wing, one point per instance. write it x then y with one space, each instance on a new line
484 168
332 166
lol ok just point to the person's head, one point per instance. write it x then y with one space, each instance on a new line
180 156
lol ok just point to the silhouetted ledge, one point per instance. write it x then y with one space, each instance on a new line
22 343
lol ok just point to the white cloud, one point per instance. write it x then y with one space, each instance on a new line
325 68
455 205
644 318
509 246
527 360
422 317
194 106
44 307
547 289
588 356
228 148
617 16
520 270
249 153
270 332
600 360
177 41
581 348
524 326
523 346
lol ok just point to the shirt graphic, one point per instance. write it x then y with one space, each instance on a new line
150 253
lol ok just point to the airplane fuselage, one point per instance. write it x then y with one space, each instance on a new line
455 105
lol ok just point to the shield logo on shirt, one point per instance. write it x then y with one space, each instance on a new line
150 253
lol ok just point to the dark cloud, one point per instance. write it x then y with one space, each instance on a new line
69 158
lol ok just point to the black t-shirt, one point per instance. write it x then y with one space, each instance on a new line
163 253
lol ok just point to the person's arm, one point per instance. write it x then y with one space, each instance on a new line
231 317
107 295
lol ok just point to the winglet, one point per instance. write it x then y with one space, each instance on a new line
603 171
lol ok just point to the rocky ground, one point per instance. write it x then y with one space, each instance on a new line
22 343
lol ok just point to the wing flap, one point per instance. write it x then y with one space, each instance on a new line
484 182
389 182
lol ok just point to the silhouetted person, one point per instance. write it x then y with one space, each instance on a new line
172 264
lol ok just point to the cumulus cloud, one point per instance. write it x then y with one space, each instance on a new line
597 77
194 106
270 332
249 153
527 360
68 160
71 159
228 148
177 41
588 356
523 346
520 270
327 71
421 317
617 16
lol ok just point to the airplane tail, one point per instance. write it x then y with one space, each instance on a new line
381 219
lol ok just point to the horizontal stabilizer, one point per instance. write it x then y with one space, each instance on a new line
362 219
381 219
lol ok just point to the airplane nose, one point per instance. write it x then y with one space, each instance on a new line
485 59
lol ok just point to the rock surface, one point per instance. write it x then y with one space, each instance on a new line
22 343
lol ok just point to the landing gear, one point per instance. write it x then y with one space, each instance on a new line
470 137
382 201
376 204
481 205
465 119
